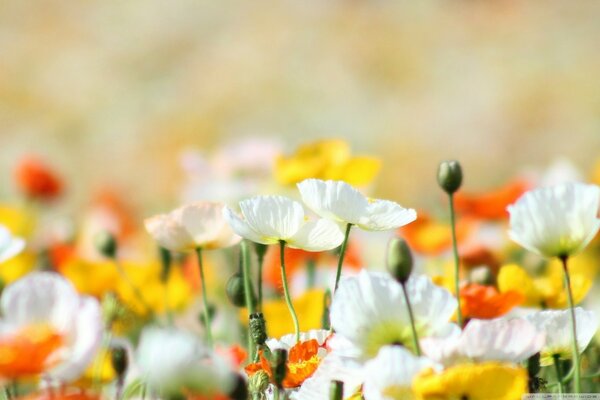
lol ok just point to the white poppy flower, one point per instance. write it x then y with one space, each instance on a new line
556 324
10 245
288 341
369 311
46 305
389 376
556 221
271 219
340 202
332 367
171 361
192 226
500 339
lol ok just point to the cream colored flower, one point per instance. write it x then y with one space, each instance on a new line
556 221
197 225
340 202
271 219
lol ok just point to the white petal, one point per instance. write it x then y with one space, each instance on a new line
41 297
169 233
243 229
84 341
317 235
384 215
10 245
275 217
204 222
335 200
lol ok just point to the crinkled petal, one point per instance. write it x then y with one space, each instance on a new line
317 235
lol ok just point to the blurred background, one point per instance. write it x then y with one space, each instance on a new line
133 94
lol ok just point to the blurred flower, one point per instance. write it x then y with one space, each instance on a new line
17 267
389 376
37 180
173 362
483 301
490 205
45 319
326 159
63 394
308 306
556 221
556 325
370 312
10 245
20 221
546 290
485 381
340 202
429 236
271 219
505 340
198 225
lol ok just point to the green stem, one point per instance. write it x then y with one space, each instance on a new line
245 254
415 337
576 360
311 273
456 259
286 291
558 370
206 315
259 281
338 273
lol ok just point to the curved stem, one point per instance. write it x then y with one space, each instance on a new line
558 370
415 337
338 273
245 254
286 291
456 259
576 360
206 314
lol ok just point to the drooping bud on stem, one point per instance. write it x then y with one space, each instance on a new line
106 244
235 290
336 390
450 176
399 259
278 366
120 363
258 328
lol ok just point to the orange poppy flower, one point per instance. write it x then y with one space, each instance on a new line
62 394
485 302
302 362
490 205
236 353
296 259
28 352
118 210
429 236
36 180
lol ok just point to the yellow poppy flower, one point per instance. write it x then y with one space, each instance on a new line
326 159
308 306
18 220
17 267
100 370
547 290
486 381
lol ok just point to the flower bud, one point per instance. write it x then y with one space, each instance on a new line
278 366
260 250
236 293
258 328
258 383
106 244
119 360
336 390
399 259
450 176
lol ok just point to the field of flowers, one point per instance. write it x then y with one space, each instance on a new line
275 297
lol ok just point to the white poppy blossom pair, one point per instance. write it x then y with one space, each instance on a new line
47 303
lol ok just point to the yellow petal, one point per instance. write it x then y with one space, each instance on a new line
17 267
514 278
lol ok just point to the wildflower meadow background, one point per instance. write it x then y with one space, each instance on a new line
299 200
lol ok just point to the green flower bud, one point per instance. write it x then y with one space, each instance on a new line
278 366
258 328
258 383
336 390
165 262
399 259
450 176
106 244
236 293
119 360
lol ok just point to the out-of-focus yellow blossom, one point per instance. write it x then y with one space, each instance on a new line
308 306
547 290
596 173
100 371
326 159
19 220
98 278
17 267
486 381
